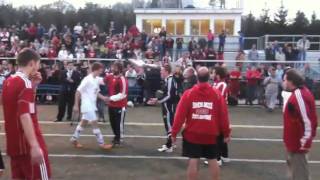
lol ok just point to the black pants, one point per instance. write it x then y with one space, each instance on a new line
168 111
1 162
117 116
66 99
222 147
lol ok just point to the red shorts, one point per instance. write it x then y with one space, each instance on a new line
22 168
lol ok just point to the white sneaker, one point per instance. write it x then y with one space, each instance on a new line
219 163
225 160
164 148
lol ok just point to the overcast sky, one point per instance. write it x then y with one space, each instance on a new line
255 6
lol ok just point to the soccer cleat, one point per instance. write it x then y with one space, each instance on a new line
225 159
164 148
106 146
76 143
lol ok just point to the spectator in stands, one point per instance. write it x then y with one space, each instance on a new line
241 40
131 75
184 61
179 43
279 76
163 33
240 58
32 32
253 54
166 59
270 56
40 31
303 45
271 84
192 45
309 75
280 56
70 79
169 46
252 76
210 38
222 41
78 29
234 86
2 75
63 53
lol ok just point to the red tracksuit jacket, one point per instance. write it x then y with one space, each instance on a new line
117 84
204 112
300 121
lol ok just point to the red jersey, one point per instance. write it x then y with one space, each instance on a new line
300 121
223 88
115 86
204 112
234 86
18 98
253 77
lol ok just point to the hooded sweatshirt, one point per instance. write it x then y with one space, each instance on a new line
204 112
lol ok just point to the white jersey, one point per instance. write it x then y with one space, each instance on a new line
89 89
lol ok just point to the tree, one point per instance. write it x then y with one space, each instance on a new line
313 18
249 25
300 24
280 19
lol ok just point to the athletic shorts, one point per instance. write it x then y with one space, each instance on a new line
90 116
191 150
22 168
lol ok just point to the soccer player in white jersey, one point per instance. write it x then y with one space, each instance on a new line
88 92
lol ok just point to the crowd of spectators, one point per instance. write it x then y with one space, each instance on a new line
85 41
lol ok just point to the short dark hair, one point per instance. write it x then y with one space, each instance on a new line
294 77
96 66
27 55
221 71
167 68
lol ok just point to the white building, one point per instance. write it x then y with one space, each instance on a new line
191 21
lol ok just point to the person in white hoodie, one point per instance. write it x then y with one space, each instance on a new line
271 84
303 45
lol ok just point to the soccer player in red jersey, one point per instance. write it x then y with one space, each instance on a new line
26 147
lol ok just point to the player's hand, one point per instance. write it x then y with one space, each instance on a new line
36 155
106 99
1 172
36 78
227 139
75 108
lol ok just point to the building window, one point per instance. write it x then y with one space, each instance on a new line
200 27
152 26
175 27
227 25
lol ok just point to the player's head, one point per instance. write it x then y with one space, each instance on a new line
292 80
203 74
220 72
29 60
165 71
117 68
97 68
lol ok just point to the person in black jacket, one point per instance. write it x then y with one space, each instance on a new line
168 97
70 79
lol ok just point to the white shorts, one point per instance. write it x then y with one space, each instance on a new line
89 116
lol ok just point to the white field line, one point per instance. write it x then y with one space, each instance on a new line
164 137
162 157
161 124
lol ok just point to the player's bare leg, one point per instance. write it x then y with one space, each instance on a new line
192 171
214 169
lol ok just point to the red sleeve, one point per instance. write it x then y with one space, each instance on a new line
181 114
106 79
26 102
223 117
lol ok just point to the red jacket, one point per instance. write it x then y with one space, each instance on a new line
300 121
204 112
115 86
